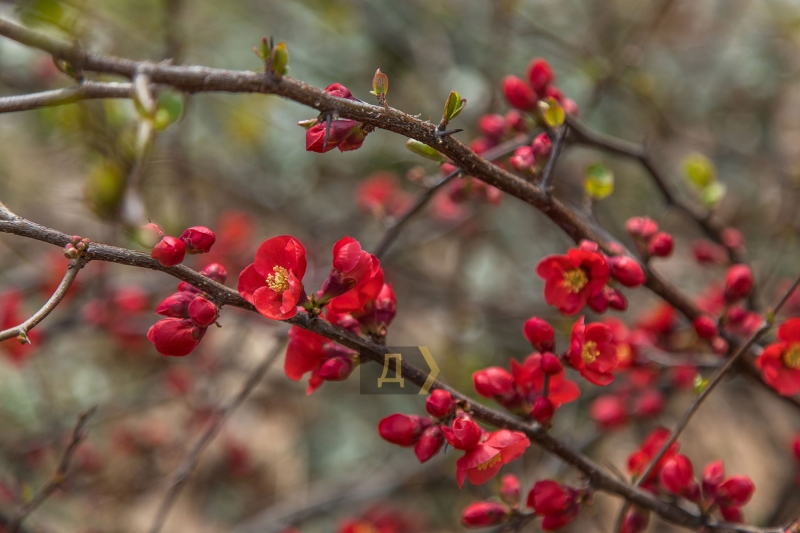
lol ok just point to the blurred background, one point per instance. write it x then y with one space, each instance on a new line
717 78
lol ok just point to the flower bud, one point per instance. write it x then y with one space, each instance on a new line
636 520
626 270
705 251
589 246
463 434
705 327
515 121
738 283
540 75
429 443
494 382
732 514
713 476
202 312
380 83
617 300
198 239
402 430
440 403
661 245
175 336
176 305
336 368
735 491
732 238
169 251
677 474
216 272
551 365
649 403
519 94
641 227
543 410
482 514
523 159
70 252
509 489
542 146
540 334
492 126
608 411
599 302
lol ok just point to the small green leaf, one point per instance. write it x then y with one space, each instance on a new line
598 181
424 150
380 83
279 59
169 109
713 194
700 384
552 112
454 105
699 170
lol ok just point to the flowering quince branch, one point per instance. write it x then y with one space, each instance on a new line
59 477
21 331
549 170
88 90
181 474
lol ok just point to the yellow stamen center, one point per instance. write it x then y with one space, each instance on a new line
490 463
279 281
575 280
589 352
791 356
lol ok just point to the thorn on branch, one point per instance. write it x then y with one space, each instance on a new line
446 133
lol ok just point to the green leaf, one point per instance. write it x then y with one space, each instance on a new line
279 59
713 194
700 384
454 105
424 150
699 170
169 109
552 112
598 181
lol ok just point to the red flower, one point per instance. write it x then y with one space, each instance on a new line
570 280
509 489
344 134
636 520
176 305
592 352
170 251
519 94
202 312
735 491
463 434
626 270
713 476
352 267
440 403
529 377
402 430
484 461
608 411
539 333
542 146
274 282
558 504
661 245
482 514
175 336
523 159
492 126
494 382
198 239
304 353
780 361
379 194
640 459
677 474
738 283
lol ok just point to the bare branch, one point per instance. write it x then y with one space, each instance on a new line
181 475
61 291
550 168
59 477
87 90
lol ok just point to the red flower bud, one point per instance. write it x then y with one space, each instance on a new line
429 443
599 302
202 312
216 272
540 334
515 121
540 75
482 514
519 94
542 410
708 252
176 305
336 368
738 283
463 434
494 382
492 126
589 246
677 474
649 403
402 430
551 364
635 521
617 300
713 476
440 403
706 327
509 489
523 159
735 491
608 411
542 146
732 238
626 270
732 514
661 245
169 251
198 239
641 227
175 336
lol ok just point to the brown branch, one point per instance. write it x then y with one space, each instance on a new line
550 168
87 90
22 330
181 475
59 477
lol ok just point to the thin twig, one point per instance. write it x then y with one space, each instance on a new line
59 477
88 90
549 169
181 475
22 330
